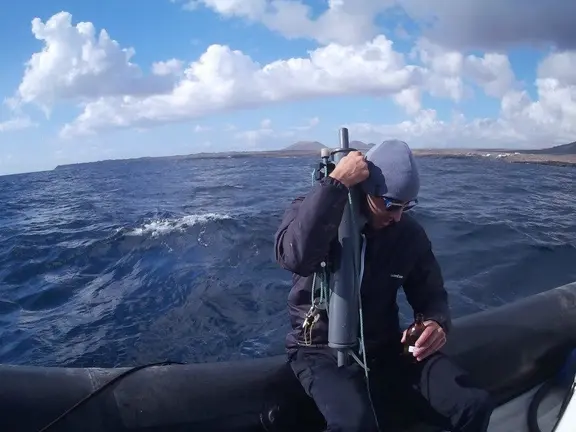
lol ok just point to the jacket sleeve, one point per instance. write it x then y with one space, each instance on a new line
424 289
309 225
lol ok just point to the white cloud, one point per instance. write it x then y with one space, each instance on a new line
444 69
492 71
427 130
200 128
266 137
344 21
251 139
254 138
560 66
16 123
523 122
310 124
447 71
188 5
170 67
223 79
78 64
409 99
459 24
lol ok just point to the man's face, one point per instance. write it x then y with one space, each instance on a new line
384 212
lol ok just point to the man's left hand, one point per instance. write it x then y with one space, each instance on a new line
431 340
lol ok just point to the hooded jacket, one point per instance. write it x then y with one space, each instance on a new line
399 255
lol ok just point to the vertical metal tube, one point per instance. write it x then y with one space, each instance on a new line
343 310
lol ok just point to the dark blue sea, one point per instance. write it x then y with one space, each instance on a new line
126 262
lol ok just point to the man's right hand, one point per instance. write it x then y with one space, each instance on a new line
351 170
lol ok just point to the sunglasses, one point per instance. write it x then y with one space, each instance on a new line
393 205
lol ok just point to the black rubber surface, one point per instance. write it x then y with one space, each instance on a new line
509 349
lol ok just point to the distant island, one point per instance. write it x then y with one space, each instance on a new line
561 155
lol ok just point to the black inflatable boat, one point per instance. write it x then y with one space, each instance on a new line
511 349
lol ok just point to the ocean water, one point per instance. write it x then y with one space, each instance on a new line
126 262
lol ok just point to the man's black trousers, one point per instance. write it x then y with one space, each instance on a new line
435 390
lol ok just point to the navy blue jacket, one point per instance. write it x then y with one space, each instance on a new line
399 255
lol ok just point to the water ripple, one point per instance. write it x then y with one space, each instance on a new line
125 262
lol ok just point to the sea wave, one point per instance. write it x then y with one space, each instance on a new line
162 226
123 263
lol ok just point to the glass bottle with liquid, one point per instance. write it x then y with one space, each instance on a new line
412 334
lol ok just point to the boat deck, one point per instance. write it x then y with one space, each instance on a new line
512 416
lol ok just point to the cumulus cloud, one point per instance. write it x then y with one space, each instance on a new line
254 138
523 122
447 71
444 70
170 67
79 64
560 66
76 63
262 137
310 124
344 21
201 129
16 123
409 99
554 112
223 79
427 130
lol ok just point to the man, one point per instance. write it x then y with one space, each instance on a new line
398 254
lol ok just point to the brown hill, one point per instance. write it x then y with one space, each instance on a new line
564 149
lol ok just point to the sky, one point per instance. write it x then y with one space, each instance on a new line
85 81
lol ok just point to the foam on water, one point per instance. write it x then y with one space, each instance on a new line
159 227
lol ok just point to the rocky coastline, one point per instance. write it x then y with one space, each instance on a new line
502 155
564 155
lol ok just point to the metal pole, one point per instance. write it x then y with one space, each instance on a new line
343 311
